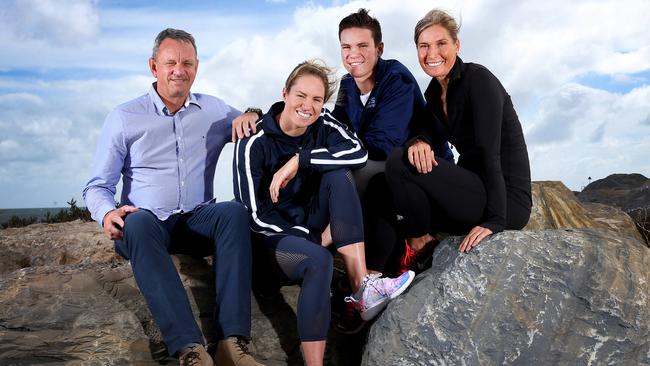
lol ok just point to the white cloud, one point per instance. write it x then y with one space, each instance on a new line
48 136
65 23
18 98
581 132
49 125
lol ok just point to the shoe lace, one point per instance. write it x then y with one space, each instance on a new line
409 256
242 346
191 357
375 282
369 280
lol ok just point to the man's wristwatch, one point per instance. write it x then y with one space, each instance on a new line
255 110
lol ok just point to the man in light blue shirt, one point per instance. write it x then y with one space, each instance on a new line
165 145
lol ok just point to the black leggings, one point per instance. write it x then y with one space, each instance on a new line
290 259
380 222
450 198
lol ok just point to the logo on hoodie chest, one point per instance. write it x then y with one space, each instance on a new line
371 103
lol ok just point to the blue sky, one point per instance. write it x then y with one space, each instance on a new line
578 73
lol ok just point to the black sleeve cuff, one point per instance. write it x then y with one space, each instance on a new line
412 140
255 110
494 227
303 158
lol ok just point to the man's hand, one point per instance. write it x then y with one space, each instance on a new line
282 177
114 221
421 157
474 237
244 125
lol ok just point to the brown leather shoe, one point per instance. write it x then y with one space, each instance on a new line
196 356
233 351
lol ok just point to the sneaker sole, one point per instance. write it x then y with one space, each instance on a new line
372 312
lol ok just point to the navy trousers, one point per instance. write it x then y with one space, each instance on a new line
218 229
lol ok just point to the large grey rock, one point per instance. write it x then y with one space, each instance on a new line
629 192
568 297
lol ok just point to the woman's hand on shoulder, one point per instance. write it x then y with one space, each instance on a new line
421 156
474 237
282 177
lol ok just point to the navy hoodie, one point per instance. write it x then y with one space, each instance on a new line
326 145
383 123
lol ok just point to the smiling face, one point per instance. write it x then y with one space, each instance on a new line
174 68
302 104
359 53
437 51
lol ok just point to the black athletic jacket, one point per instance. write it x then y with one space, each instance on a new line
485 129
326 145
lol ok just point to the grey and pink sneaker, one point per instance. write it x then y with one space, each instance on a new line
375 293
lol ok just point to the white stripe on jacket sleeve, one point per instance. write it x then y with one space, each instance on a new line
251 184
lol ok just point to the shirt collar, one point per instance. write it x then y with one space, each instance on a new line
456 72
161 108
380 69
457 69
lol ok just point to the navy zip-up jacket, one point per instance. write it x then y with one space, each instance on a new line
326 145
383 123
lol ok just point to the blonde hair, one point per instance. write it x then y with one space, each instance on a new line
437 17
316 68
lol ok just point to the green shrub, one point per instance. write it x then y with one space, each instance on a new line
72 213
16 221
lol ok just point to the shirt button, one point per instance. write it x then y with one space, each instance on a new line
181 160
178 138
182 183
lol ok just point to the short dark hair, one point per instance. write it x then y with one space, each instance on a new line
176 34
361 19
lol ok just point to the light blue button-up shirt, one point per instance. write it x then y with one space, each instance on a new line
167 162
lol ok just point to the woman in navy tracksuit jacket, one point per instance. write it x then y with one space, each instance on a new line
383 124
293 175
326 146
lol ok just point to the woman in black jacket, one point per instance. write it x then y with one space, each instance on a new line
293 176
489 189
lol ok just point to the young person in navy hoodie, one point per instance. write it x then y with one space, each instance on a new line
293 175
378 99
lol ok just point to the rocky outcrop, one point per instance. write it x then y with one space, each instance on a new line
556 207
629 192
73 314
38 245
65 297
527 298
